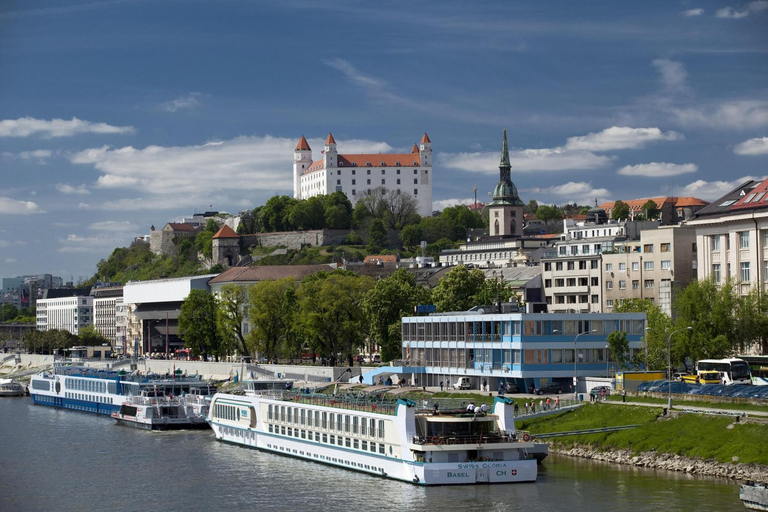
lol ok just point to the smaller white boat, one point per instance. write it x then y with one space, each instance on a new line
10 388
155 411
754 496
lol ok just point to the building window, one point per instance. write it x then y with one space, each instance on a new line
571 281
383 171
635 284
369 181
716 272
664 247
609 285
609 267
583 281
398 181
398 171
582 265
574 250
353 172
562 250
353 182
648 248
353 192
547 283
338 182
595 299
594 264
744 239
559 266
648 265
648 283
765 237
622 284
547 267
415 191
715 242
594 281
609 303
383 181
415 171
338 173
745 271
415 181
622 267
560 282
571 265
666 265
369 171
635 266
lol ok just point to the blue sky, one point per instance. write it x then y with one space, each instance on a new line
117 115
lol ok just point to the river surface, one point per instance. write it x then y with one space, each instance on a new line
56 460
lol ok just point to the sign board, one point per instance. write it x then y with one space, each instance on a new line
425 308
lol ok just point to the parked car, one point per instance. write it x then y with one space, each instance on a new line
549 389
462 383
508 387
597 391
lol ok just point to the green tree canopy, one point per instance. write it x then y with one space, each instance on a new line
619 347
197 324
620 210
90 337
271 312
546 213
231 312
377 237
457 291
658 324
386 303
651 209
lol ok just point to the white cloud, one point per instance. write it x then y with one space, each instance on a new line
619 137
11 260
526 160
189 102
747 10
442 204
572 192
38 156
115 226
711 190
673 74
743 114
13 207
86 244
69 189
693 12
757 146
657 169
26 126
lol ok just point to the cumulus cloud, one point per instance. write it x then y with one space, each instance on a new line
189 102
38 156
748 9
14 207
526 160
442 204
619 137
711 190
115 226
673 74
572 192
27 126
86 244
657 169
64 188
757 146
741 114
693 12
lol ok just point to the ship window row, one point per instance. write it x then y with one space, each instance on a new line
86 385
226 412
88 398
334 422
41 385
325 438
328 458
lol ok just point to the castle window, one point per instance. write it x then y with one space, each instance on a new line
353 172
383 181
338 182
426 172
398 171
383 163
353 182
353 192
369 181
398 181
368 164
383 171
369 171
397 163
415 191
338 173
415 171
415 181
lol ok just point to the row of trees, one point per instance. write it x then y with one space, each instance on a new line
11 314
47 342
331 314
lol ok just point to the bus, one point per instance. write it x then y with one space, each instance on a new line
732 371
759 367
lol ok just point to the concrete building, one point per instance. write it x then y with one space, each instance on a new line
527 349
70 313
732 237
357 174
105 303
653 268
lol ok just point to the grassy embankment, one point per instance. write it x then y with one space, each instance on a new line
689 435
701 402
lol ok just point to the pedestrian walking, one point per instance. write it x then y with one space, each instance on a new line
441 386
527 407
557 402
517 410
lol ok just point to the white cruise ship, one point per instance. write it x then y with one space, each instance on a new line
83 388
393 439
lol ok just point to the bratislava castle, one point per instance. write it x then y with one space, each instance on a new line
358 174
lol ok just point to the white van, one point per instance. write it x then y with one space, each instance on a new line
462 383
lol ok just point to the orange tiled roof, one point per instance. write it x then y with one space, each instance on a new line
690 201
637 204
330 139
181 226
226 232
303 145
415 149
384 258
370 160
425 139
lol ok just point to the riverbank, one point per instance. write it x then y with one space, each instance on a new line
708 445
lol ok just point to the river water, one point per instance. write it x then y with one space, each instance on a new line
57 460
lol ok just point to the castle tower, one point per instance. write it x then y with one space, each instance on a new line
506 209
302 159
425 150
226 246
330 156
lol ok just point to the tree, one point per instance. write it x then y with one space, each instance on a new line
494 289
658 325
197 324
651 209
331 313
377 237
46 342
386 303
90 337
273 216
457 291
230 314
204 243
271 315
619 346
546 213
751 322
620 210
400 208
410 236
531 207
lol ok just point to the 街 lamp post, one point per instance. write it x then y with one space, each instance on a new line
669 364
575 362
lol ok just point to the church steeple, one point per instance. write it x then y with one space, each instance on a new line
505 191
506 209
505 154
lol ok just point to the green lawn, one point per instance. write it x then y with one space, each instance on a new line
730 406
690 435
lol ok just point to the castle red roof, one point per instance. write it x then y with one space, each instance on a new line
303 145
226 232
425 138
370 160
330 139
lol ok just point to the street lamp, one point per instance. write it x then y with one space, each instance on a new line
576 360
669 364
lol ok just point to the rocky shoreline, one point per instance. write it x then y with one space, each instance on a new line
671 462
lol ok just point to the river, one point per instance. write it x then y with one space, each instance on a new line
55 460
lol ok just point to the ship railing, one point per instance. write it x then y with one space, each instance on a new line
362 403
451 439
